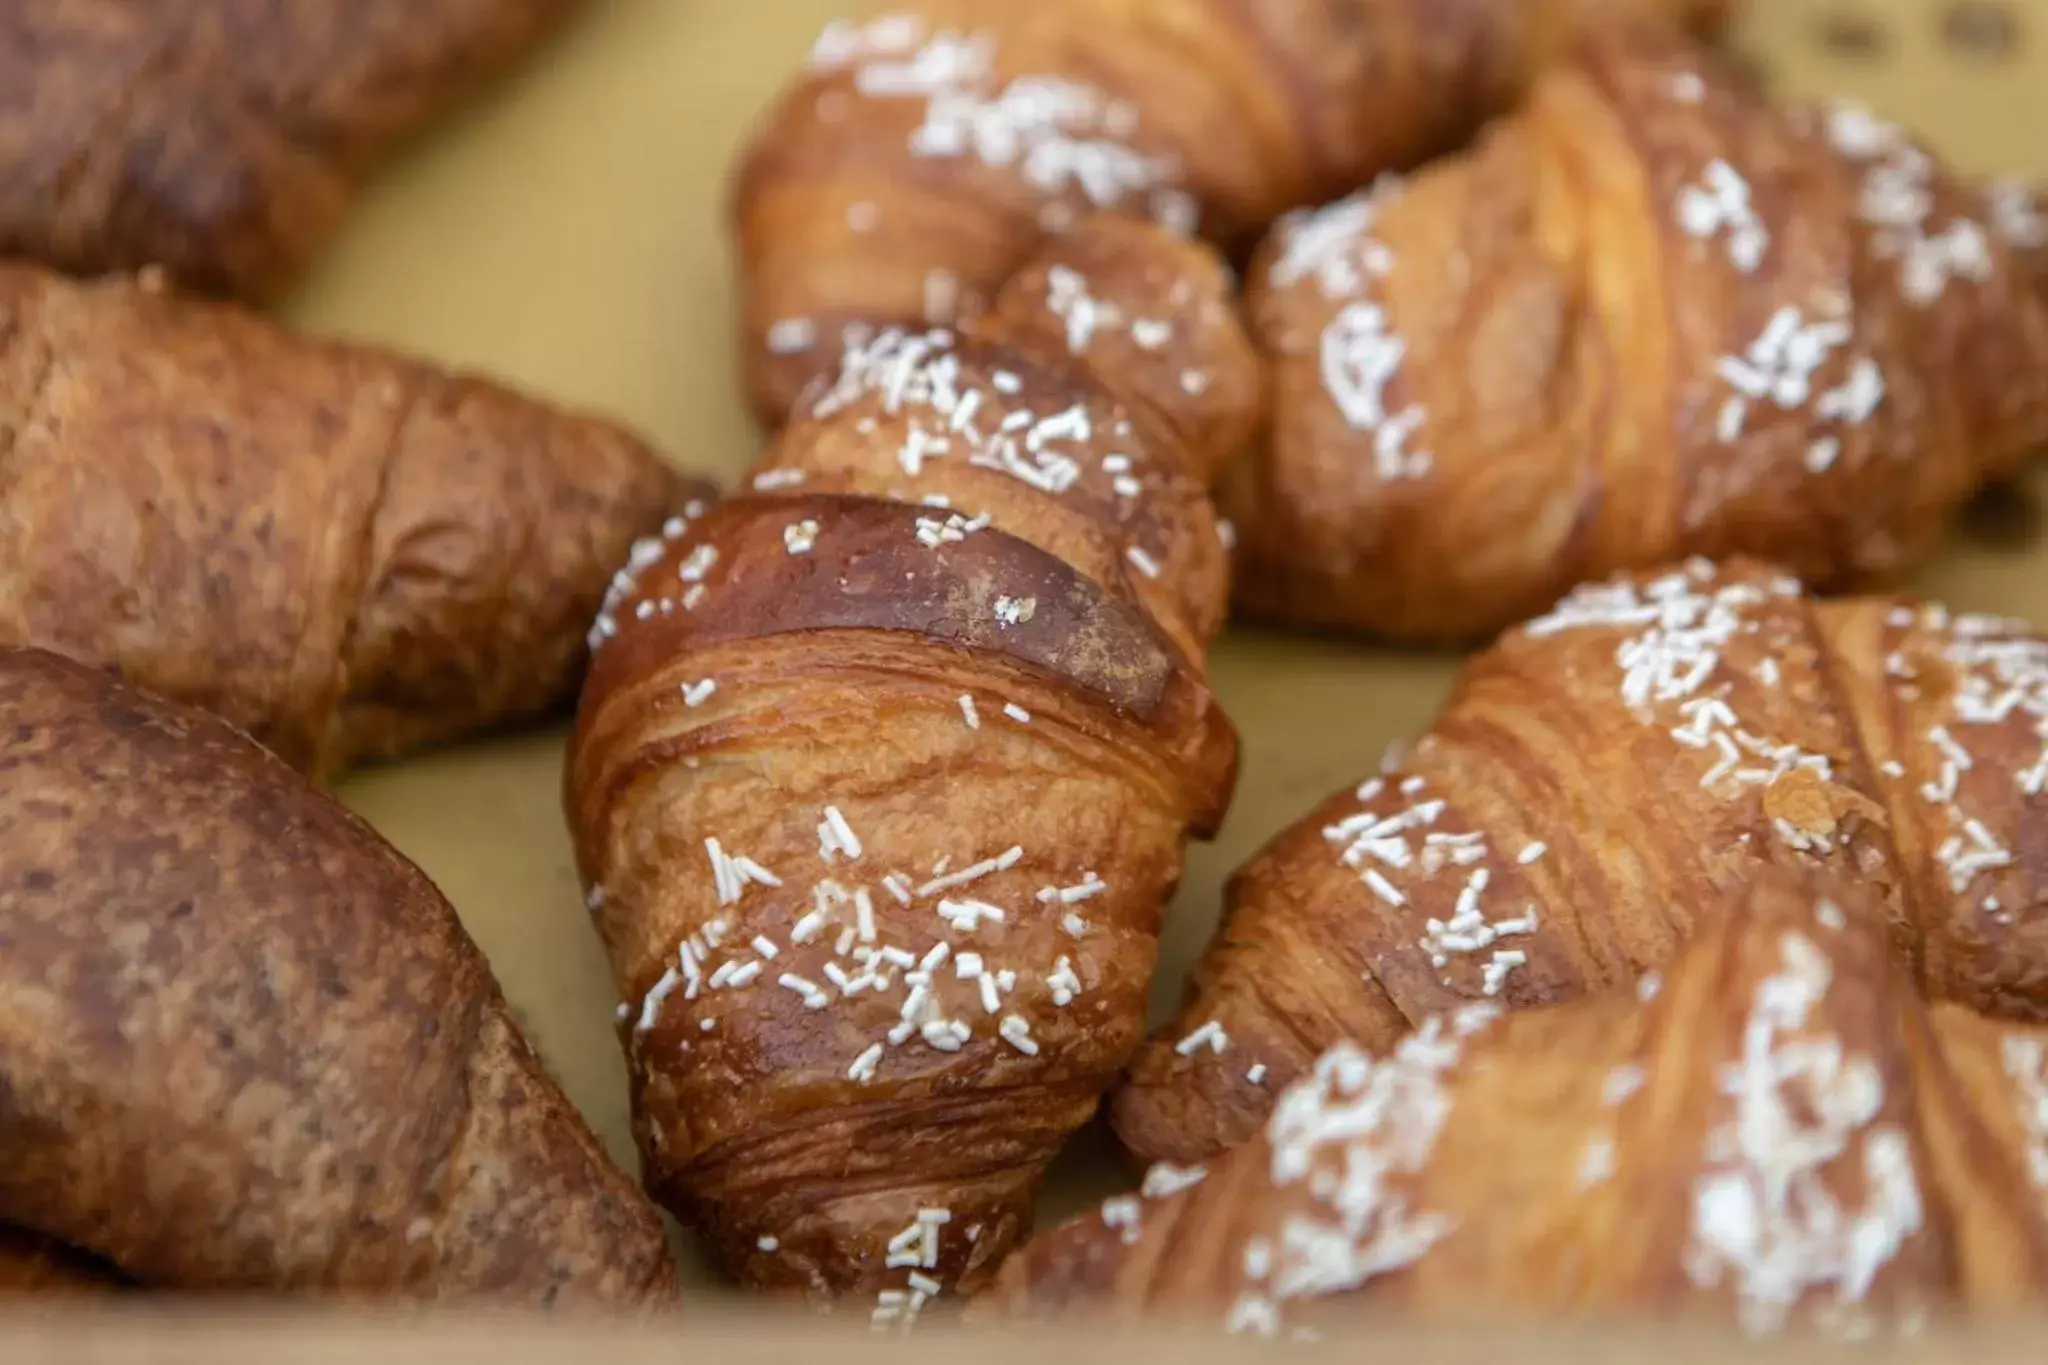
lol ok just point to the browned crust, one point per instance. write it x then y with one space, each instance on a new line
1256 107
1538 755
883 772
1565 353
248 1046
345 552
869 571
1564 1159
222 142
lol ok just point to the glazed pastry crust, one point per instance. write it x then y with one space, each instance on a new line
1518 852
249 1047
884 768
222 140
922 156
346 553
1646 317
1779 1132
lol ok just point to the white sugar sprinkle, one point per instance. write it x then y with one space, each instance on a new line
2026 1065
964 916
1360 358
792 336
835 837
1764 1222
732 874
1722 203
1163 1179
1016 1031
699 563
799 536
1063 137
1067 298
1089 887
1002 862
1063 983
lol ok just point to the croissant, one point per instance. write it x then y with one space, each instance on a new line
345 553
1592 779
1780 1133
924 154
222 140
1646 317
247 1046
881 780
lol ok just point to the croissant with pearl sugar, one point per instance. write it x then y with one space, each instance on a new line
1779 1132
1646 316
923 154
1594 777
884 768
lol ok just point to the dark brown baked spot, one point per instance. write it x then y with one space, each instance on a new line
1981 30
1852 34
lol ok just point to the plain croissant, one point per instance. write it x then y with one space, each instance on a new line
344 552
925 153
1594 778
1646 317
222 140
247 1046
883 772
1782 1133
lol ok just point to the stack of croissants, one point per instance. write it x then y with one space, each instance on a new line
1693 963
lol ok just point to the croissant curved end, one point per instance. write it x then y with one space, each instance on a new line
251 987
1781 1085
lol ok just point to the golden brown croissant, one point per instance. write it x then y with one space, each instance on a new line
222 140
344 552
925 153
882 776
1782 1133
247 1046
1646 317
1590 781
